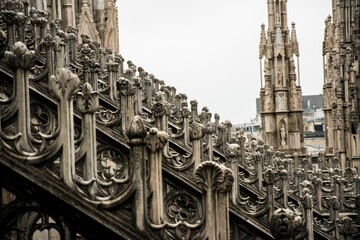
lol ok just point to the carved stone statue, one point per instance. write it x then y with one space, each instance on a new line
353 72
280 78
283 135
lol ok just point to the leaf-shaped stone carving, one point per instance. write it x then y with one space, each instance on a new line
20 57
88 100
64 84
212 176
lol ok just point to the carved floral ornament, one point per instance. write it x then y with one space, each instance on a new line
346 225
182 207
20 57
64 84
88 100
213 177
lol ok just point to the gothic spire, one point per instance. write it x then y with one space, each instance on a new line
281 96
294 42
262 45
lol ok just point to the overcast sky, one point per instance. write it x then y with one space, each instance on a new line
208 49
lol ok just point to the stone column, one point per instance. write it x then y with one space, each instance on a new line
156 141
196 135
137 134
20 59
64 85
185 113
130 108
307 202
194 111
216 182
148 94
269 178
284 178
122 86
232 154
138 95
112 68
88 104
69 13
209 130
222 137
258 159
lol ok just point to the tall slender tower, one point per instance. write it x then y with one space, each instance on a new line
341 53
280 95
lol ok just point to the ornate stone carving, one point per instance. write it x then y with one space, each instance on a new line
20 57
269 176
88 100
156 140
64 84
346 226
182 207
111 164
285 224
216 182
86 23
214 177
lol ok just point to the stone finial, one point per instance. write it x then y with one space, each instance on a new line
269 176
284 224
262 45
136 129
20 57
193 104
185 112
122 85
232 151
197 131
306 198
294 42
88 100
64 84
346 226
156 140
212 176
159 109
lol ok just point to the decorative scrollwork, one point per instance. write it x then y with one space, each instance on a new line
111 164
42 119
5 93
182 207
107 117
